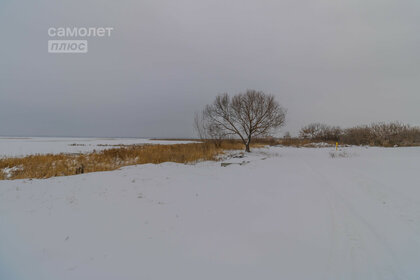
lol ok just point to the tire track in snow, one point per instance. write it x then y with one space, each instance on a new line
406 207
355 240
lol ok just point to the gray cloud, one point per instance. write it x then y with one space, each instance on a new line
339 62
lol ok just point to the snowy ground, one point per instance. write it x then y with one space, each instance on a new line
288 214
21 146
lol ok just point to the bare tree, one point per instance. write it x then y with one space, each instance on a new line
208 131
245 115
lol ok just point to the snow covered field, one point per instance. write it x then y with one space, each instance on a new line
289 213
21 146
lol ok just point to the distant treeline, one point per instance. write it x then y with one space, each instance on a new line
376 134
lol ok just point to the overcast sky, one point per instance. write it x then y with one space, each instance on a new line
338 62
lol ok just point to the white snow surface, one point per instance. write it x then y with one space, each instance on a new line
290 213
22 146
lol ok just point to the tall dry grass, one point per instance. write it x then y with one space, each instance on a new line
51 165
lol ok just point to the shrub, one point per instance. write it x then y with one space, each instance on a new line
320 132
376 134
382 134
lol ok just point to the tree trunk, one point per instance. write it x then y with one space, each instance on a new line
247 148
247 144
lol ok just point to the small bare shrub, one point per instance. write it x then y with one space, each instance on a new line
339 154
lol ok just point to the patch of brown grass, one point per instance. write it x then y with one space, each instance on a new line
51 165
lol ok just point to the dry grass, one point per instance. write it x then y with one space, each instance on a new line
50 165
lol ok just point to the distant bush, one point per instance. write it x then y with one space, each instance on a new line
376 134
382 134
359 135
320 132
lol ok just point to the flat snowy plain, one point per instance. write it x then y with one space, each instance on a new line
290 213
22 146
